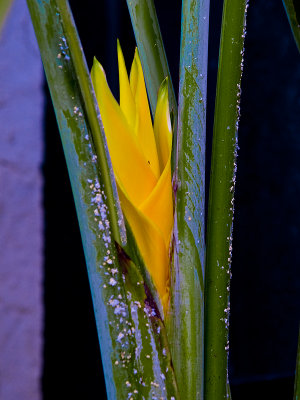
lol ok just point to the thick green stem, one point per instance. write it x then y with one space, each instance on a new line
186 330
221 199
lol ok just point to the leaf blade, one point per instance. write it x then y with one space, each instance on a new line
186 330
94 119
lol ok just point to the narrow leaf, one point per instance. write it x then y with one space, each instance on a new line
186 330
221 196
292 8
93 117
152 53
135 354
297 374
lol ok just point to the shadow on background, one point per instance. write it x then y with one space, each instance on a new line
265 285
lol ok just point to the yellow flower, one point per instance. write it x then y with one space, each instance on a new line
141 159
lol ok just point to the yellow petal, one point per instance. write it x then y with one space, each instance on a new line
151 245
134 74
144 126
141 158
128 163
162 126
158 207
127 103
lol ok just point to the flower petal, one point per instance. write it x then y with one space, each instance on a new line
129 164
158 207
151 245
133 74
162 126
144 126
127 103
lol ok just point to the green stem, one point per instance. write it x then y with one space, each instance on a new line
153 56
221 198
186 325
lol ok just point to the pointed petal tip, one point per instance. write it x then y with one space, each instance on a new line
163 89
165 81
136 57
119 48
96 66
163 126
95 61
121 59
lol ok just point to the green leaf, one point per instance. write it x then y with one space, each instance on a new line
297 374
221 198
292 8
66 58
153 56
135 354
4 9
186 325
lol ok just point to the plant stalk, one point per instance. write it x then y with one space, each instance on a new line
186 325
221 199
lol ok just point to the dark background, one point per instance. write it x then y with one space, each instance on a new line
265 286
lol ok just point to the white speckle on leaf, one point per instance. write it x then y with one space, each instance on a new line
120 337
112 282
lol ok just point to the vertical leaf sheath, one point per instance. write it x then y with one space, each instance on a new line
292 8
152 54
186 330
221 198
133 343
78 149
93 116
